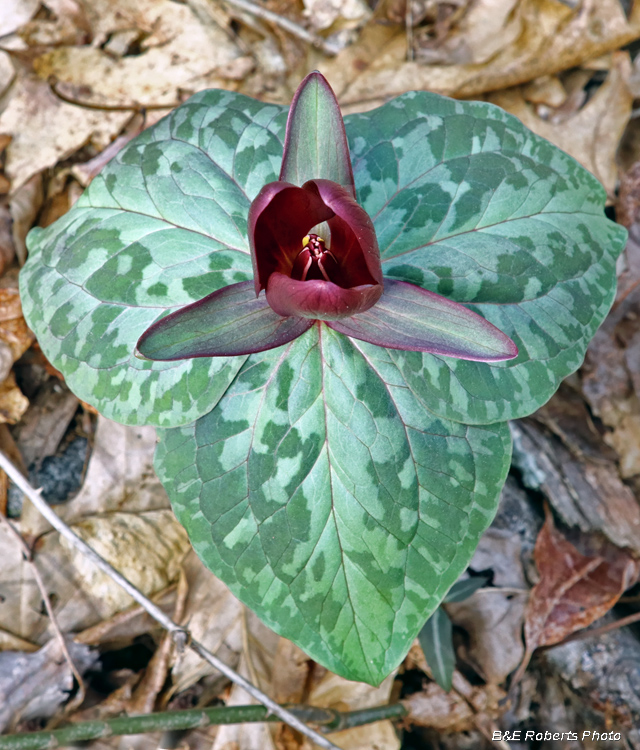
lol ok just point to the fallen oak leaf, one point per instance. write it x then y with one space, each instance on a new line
574 589
554 37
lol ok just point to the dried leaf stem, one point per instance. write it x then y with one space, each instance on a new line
181 636
194 718
284 23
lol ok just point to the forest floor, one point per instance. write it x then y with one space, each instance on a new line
78 80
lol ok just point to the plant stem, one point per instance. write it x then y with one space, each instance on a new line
191 719
181 636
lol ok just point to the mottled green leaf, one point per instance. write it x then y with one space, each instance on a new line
331 501
470 204
162 226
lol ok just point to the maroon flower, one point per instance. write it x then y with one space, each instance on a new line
325 274
315 254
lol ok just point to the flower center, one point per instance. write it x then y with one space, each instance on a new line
314 261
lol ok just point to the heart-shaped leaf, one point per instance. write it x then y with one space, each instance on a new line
470 204
331 501
162 226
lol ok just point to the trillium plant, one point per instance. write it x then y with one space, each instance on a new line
330 322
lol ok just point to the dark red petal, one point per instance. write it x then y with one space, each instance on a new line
411 318
321 300
280 216
353 237
229 322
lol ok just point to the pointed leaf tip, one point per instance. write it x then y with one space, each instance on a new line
315 144
227 323
411 318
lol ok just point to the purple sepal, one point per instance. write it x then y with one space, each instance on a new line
227 323
411 318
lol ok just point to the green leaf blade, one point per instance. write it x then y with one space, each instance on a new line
469 204
331 501
436 640
162 226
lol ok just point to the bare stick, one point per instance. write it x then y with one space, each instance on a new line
181 636
408 26
284 23
28 556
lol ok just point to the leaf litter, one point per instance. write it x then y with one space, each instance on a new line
561 68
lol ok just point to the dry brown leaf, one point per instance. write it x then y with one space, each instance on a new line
179 53
545 90
155 675
146 548
14 332
484 30
56 129
259 647
122 511
65 23
282 670
24 206
214 618
13 403
7 248
11 642
325 13
554 37
465 708
332 691
34 685
15 13
609 375
7 72
493 620
593 133
20 613
45 422
120 476
574 589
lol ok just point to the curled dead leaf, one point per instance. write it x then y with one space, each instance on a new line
463 709
574 589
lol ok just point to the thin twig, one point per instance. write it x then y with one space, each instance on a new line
181 636
133 107
583 635
194 718
286 24
408 27
28 556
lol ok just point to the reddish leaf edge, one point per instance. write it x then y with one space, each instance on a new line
329 100
251 326
383 325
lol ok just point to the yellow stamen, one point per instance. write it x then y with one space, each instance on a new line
305 241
